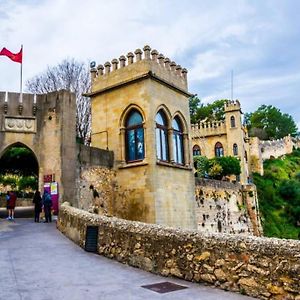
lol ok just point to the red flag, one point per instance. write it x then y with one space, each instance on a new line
16 57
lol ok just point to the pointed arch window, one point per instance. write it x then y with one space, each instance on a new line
162 149
232 121
178 141
219 150
196 150
134 137
235 149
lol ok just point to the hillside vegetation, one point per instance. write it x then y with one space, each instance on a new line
279 196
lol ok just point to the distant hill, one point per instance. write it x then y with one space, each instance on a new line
279 196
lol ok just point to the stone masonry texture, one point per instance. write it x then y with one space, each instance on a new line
266 268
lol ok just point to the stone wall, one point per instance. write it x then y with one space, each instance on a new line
226 207
260 267
95 179
21 202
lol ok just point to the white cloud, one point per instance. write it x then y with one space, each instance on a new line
210 38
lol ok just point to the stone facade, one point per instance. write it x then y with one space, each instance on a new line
46 125
152 190
250 151
227 207
265 268
227 133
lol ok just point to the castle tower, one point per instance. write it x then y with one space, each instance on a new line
237 141
140 111
45 124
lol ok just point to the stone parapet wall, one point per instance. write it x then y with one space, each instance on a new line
260 267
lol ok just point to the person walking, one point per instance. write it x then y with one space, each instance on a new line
37 200
47 203
7 197
12 205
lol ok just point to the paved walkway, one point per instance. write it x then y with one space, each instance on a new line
38 263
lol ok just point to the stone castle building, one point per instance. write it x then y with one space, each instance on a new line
224 138
140 111
45 124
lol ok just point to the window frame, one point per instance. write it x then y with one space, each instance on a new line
196 148
159 128
135 129
217 150
178 136
232 122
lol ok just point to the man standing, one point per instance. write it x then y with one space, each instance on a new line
47 203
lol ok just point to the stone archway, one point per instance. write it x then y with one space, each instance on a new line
19 172
46 125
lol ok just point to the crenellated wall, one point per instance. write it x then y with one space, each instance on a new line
46 125
266 268
135 66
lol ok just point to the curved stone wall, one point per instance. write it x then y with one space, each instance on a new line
265 268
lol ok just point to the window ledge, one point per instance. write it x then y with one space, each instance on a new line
172 165
126 165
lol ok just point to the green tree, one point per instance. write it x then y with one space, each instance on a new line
230 165
208 112
20 161
268 122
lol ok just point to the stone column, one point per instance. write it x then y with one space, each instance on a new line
167 63
122 143
130 58
122 60
138 54
114 64
170 141
100 69
107 66
186 150
173 65
154 54
178 70
161 59
93 72
147 50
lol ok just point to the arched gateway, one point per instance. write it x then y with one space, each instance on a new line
46 125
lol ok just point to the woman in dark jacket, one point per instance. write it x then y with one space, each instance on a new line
37 200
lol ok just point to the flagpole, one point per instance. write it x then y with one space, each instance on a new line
21 78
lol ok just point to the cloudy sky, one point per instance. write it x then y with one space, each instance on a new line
258 39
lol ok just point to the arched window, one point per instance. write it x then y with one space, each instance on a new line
177 141
235 149
196 150
219 151
161 136
134 138
232 121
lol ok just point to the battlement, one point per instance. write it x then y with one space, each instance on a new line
13 104
203 129
135 66
232 105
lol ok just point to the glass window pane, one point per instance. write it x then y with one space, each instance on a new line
134 118
160 119
175 124
130 145
179 149
140 143
164 145
158 144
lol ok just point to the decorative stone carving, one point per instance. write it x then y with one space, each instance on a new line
20 124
